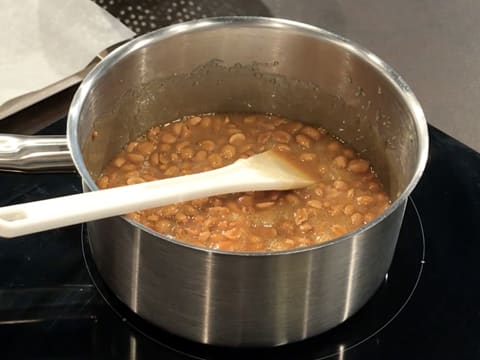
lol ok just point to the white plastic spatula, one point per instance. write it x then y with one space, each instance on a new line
265 171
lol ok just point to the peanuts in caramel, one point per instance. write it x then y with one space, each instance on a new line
347 195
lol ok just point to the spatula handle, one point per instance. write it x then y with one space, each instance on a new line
42 215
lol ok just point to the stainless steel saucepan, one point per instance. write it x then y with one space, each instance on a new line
238 65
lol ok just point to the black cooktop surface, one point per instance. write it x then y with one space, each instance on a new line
53 304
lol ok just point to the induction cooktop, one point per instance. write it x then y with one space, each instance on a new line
54 304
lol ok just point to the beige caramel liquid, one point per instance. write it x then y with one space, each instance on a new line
348 193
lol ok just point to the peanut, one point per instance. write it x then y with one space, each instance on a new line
340 162
311 132
207 145
195 120
303 141
228 151
358 166
168 138
237 139
281 136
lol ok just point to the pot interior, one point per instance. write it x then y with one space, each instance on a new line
250 65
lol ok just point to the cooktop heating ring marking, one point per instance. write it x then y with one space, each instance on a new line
417 281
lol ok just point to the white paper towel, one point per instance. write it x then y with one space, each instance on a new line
45 41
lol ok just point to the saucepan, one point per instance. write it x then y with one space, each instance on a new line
242 64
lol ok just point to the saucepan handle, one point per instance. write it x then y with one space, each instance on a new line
46 153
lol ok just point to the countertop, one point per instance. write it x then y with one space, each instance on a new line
433 44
